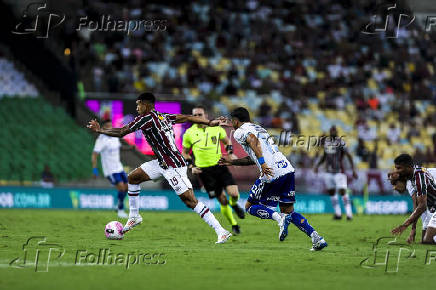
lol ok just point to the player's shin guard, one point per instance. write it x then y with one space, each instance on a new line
134 190
301 222
226 211
121 196
263 212
203 211
347 204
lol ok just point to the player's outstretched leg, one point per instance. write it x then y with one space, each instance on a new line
318 242
135 178
203 211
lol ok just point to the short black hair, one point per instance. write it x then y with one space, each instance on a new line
241 114
200 107
107 121
404 159
147 97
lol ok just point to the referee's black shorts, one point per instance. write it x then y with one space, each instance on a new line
215 179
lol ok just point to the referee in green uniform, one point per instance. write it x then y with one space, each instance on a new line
205 143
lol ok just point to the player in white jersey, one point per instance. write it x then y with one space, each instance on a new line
109 150
276 184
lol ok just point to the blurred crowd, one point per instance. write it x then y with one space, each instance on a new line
281 58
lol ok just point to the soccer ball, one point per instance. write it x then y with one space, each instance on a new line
114 231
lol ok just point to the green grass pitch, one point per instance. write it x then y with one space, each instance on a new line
187 257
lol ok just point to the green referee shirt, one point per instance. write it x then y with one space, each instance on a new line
205 144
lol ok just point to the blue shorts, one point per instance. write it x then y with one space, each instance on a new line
116 178
270 194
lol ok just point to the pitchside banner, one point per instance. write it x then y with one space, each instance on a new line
71 198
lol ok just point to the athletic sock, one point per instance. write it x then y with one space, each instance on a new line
335 204
134 190
121 196
263 212
226 211
434 239
233 200
347 204
301 222
203 211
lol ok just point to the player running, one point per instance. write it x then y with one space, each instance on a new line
205 143
158 131
424 187
334 177
109 149
276 184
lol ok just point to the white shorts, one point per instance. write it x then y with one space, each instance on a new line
335 180
177 177
428 220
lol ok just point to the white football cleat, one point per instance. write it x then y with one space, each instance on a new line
222 238
122 214
318 242
132 222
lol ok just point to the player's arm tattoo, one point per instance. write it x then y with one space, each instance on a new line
254 144
180 118
115 132
246 161
94 159
419 210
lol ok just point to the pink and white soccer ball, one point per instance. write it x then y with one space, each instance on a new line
114 231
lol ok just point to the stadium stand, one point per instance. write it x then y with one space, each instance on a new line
31 140
297 71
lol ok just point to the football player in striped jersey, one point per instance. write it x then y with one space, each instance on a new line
158 130
423 185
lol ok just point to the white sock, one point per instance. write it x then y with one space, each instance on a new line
204 212
434 239
335 204
133 193
347 205
277 217
315 236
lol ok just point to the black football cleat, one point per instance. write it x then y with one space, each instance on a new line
239 211
236 229
337 217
